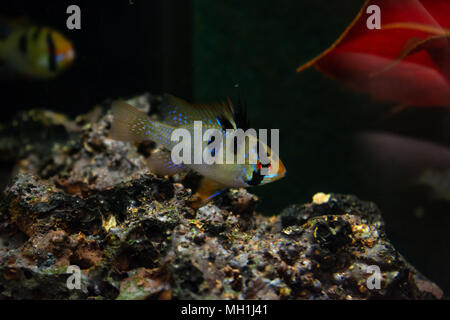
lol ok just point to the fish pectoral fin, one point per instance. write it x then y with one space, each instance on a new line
207 190
129 123
160 163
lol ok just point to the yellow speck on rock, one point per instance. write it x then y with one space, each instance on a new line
109 223
320 198
285 291
133 210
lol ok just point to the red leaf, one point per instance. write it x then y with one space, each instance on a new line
407 60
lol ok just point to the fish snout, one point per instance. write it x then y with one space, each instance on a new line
277 171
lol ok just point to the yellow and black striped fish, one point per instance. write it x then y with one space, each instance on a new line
34 51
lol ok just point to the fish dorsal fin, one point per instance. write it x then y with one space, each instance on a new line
180 113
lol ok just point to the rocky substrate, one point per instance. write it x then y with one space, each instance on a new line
76 198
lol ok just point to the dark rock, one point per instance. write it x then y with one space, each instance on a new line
78 198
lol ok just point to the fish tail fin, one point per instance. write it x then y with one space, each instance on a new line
129 124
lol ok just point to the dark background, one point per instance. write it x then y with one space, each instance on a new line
199 50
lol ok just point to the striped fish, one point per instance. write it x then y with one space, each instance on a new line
34 51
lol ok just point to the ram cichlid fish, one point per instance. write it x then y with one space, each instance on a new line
130 124
35 52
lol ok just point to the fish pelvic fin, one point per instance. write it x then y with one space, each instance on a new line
129 124
207 190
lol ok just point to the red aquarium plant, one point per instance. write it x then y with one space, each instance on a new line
406 60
